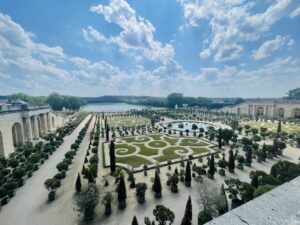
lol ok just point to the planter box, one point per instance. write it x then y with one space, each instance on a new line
240 166
141 199
222 172
21 182
174 188
107 209
248 164
89 214
157 195
5 200
12 193
29 174
187 183
122 205
51 196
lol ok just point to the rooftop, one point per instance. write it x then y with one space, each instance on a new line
280 206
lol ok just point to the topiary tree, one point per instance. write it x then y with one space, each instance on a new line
157 185
188 175
279 127
88 200
78 184
248 157
140 192
112 156
211 170
231 162
188 214
134 221
51 185
162 215
122 193
220 139
106 201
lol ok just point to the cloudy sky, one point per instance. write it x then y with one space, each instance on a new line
219 48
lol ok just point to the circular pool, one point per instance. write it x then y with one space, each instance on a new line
190 125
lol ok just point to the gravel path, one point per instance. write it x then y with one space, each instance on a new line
30 205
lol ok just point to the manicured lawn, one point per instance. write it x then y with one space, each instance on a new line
135 139
169 153
192 142
171 141
273 126
120 149
156 137
157 144
129 121
134 161
199 150
146 151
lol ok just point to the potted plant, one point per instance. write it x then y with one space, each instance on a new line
222 164
140 192
51 185
106 201
241 161
173 183
87 201
10 187
157 185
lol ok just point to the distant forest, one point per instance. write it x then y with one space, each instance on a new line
58 102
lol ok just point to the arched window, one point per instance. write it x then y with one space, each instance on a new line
260 111
281 112
297 113
17 134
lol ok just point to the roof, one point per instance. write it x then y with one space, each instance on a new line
277 207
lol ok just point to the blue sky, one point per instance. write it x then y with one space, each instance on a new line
220 48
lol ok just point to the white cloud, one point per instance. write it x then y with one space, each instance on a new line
90 34
137 33
270 46
233 23
295 13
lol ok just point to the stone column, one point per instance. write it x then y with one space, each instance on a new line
49 122
28 129
45 123
36 127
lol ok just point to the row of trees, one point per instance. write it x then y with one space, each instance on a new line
55 100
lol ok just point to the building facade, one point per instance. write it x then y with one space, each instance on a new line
21 123
282 108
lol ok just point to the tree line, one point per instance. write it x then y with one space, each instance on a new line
55 100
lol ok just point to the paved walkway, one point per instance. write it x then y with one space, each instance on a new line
30 206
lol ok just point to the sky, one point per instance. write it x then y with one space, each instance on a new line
211 48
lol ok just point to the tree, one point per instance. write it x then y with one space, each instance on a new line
294 94
174 99
211 170
157 185
162 215
122 193
285 171
188 175
188 214
226 135
262 189
220 138
134 221
140 192
51 185
231 162
254 181
78 184
264 153
106 201
209 199
112 156
279 127
107 132
88 200
91 178
248 156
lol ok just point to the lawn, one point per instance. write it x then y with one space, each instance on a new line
273 126
158 148
133 160
128 121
